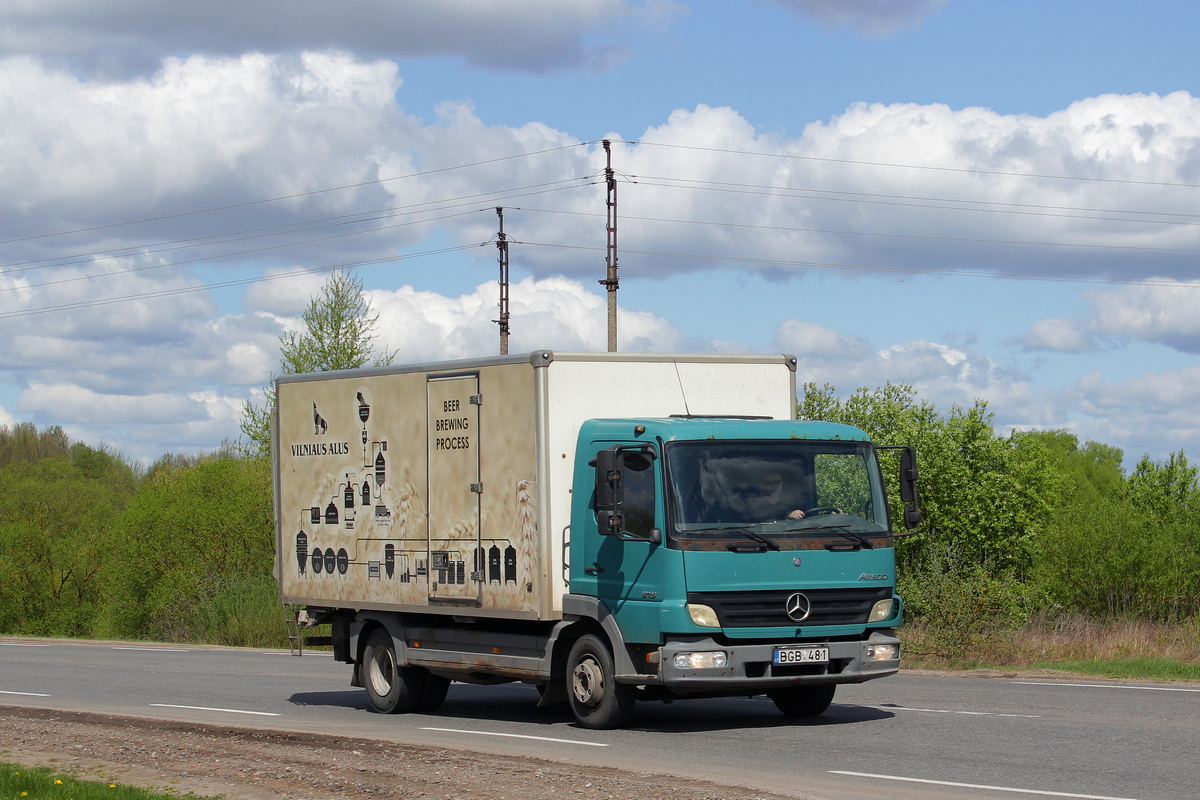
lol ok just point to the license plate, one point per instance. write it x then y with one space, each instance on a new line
802 655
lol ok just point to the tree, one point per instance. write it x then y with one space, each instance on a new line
983 496
339 333
188 533
55 513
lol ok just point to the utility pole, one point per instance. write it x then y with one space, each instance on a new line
611 254
502 246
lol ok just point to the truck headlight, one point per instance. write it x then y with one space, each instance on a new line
703 616
881 611
710 660
882 652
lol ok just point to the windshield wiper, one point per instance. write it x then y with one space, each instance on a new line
864 541
839 528
744 531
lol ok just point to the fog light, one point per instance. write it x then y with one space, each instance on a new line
881 611
703 616
711 660
882 652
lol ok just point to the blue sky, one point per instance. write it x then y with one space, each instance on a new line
995 201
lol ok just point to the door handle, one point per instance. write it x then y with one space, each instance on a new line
595 569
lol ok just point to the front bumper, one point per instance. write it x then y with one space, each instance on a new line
749 667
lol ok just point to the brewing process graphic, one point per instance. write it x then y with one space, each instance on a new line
392 503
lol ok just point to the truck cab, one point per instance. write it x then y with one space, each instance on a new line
735 557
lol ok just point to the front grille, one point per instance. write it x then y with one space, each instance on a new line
767 609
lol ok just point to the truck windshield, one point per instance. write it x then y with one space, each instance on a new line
777 489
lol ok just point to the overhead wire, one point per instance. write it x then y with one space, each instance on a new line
836 232
1025 209
513 194
437 207
191 289
876 268
930 167
297 195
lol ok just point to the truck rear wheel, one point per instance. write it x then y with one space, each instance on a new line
804 701
392 689
433 694
595 697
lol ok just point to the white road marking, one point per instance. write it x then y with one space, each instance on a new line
1106 686
26 694
980 786
518 736
22 644
951 711
324 653
153 649
226 710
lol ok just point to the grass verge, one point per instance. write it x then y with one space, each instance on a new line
33 783
1111 648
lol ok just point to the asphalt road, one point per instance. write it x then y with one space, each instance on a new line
908 736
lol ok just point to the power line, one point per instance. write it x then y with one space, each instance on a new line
377 181
1023 209
834 231
878 268
251 251
224 284
965 170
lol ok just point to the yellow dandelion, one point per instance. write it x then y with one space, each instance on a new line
112 786
57 781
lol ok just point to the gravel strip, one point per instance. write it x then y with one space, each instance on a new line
253 764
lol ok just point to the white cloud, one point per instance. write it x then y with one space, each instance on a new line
553 313
213 131
941 373
1059 335
1158 314
120 36
873 17
6 419
1156 412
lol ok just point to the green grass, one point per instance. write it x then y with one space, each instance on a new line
32 783
1154 669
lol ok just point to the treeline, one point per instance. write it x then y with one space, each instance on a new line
1016 525
1028 524
92 545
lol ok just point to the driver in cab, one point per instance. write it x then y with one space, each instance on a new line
771 504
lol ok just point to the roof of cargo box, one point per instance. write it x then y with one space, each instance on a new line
540 358
686 428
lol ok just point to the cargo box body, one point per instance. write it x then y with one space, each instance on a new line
446 488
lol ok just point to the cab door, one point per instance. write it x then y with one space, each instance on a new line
627 573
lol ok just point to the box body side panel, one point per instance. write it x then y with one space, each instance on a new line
361 460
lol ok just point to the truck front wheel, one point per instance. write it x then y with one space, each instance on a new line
596 699
392 689
804 701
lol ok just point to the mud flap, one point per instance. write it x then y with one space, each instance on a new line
555 693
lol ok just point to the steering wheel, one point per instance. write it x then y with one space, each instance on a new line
823 510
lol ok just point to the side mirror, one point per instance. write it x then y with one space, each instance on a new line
908 487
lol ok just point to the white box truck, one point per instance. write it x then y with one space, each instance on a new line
607 527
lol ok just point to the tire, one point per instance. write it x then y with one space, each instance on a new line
392 689
804 701
433 694
595 697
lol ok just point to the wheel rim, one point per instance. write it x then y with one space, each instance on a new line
587 682
381 671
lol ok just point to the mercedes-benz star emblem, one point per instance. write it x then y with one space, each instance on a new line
798 607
